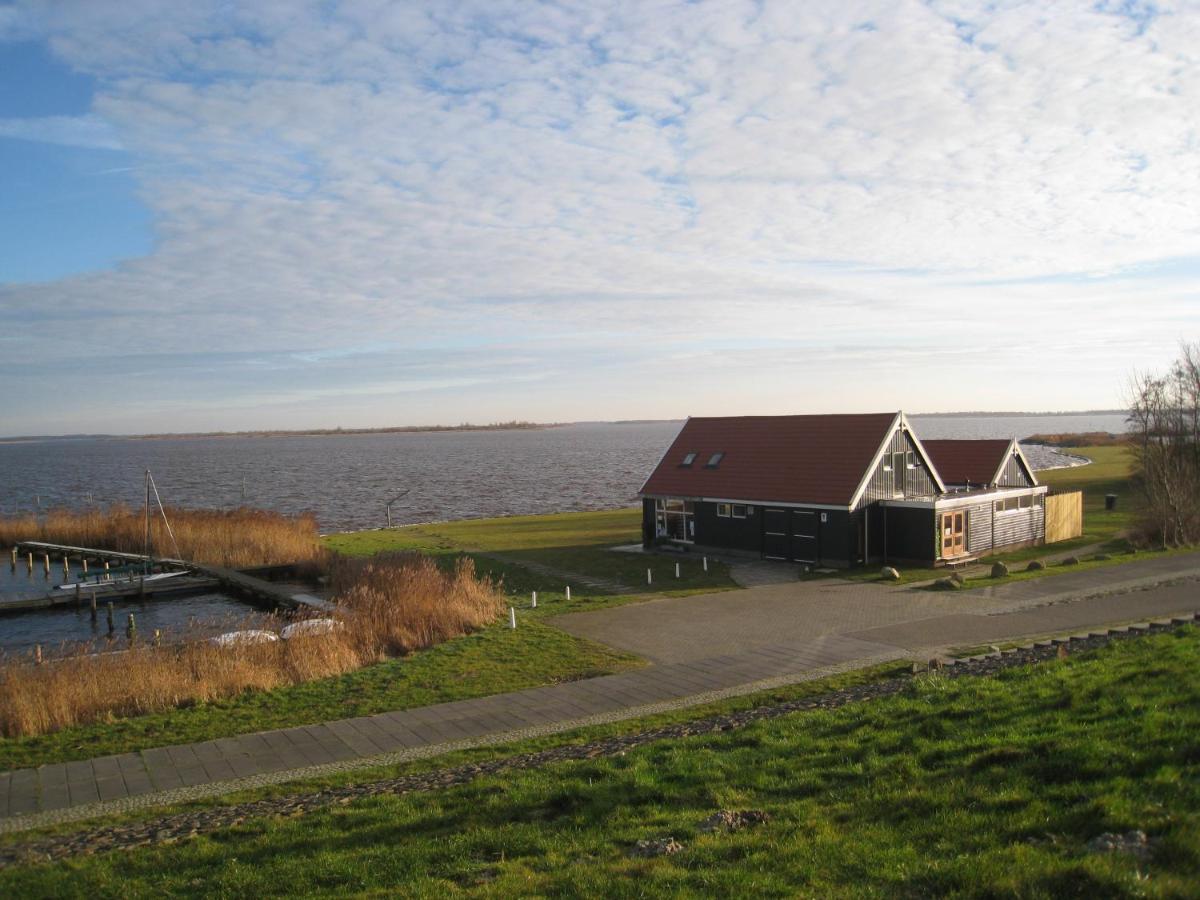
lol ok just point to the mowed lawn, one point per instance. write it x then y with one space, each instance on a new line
977 787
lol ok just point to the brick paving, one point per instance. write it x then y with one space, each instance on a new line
703 647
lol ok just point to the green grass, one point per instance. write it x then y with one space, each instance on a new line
965 787
548 553
492 661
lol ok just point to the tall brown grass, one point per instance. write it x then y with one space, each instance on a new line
387 606
234 538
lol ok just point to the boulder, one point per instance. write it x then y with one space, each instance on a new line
887 573
1035 565
949 583
999 570
1071 561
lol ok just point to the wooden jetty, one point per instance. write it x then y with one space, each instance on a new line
200 577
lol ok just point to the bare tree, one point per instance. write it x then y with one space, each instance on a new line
1164 418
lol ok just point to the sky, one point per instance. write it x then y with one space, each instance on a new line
219 216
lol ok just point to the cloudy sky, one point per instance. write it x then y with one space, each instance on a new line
289 214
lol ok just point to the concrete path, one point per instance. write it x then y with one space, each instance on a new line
706 648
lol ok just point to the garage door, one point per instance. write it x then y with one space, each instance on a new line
804 536
776 534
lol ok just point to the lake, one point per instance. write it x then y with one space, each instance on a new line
348 479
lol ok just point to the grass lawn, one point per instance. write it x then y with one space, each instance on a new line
967 787
492 661
548 553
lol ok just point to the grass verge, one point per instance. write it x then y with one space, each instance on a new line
965 787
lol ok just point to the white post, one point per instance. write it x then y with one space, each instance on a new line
535 600
649 577
706 564
676 570
512 618
568 593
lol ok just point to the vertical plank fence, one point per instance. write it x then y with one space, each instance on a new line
1064 516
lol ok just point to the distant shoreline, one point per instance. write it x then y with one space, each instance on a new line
495 426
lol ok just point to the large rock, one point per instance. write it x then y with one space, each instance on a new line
999 570
949 583
1071 561
887 573
1035 565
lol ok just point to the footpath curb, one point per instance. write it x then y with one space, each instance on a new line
171 828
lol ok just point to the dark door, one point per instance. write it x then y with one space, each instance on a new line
804 536
775 533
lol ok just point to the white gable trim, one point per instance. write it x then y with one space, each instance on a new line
937 478
898 423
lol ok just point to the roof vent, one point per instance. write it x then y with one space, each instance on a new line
715 460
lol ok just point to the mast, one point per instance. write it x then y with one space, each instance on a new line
146 546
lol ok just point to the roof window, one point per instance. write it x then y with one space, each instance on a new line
688 459
715 460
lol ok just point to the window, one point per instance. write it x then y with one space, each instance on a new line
1039 500
1012 504
723 510
715 460
674 520
911 460
1026 502
689 459
739 511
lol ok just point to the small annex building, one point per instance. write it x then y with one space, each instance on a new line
839 490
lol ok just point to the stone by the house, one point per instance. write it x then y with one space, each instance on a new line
1035 565
889 574
1071 561
999 570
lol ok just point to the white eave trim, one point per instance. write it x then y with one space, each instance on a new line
764 504
950 500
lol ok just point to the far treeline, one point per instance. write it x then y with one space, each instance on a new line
391 429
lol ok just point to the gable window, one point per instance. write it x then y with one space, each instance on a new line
688 459
723 510
715 460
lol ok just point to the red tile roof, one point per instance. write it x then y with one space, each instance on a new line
963 462
773 459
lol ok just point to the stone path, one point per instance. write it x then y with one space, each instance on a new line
764 637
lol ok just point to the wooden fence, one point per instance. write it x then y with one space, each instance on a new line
1064 516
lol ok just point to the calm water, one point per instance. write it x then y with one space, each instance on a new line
347 479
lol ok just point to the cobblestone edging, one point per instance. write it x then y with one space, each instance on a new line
172 828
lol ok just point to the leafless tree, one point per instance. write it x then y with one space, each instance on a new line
1164 419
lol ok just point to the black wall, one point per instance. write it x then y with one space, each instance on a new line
736 534
910 534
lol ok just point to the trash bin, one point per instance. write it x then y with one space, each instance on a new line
1110 501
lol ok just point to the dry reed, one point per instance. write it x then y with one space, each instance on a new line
387 606
235 538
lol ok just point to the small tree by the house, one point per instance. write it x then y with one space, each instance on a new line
1164 419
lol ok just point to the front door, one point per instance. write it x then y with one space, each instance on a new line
954 534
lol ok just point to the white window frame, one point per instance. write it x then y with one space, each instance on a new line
743 507
724 510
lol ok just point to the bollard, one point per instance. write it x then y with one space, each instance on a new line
649 577
568 593
512 617
131 629
706 564
676 570
111 627
534 604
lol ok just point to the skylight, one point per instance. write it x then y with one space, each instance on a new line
689 459
715 460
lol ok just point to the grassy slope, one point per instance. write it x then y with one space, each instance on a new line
975 787
489 662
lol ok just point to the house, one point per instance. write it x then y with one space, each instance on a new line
839 490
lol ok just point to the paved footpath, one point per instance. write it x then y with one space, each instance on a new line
770 657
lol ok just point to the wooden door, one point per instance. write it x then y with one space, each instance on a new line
954 534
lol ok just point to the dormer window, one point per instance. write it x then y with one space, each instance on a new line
688 459
715 460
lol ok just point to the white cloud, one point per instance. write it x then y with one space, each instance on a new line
646 173
73 131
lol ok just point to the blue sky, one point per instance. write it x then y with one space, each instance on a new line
292 214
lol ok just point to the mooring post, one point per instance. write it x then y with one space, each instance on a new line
30 562
14 557
66 566
78 599
142 588
46 562
157 637
131 629
37 654
85 567
111 627
93 607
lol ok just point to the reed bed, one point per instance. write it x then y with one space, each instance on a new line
387 606
234 538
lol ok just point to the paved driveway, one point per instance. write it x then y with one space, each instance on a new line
686 628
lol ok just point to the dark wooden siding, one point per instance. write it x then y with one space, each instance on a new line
917 483
736 534
910 533
1014 474
647 522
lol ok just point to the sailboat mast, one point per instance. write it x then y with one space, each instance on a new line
146 561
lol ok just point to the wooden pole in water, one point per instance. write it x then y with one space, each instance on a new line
46 562
66 566
111 627
85 567
37 654
131 629
30 562
77 596
14 557
93 607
